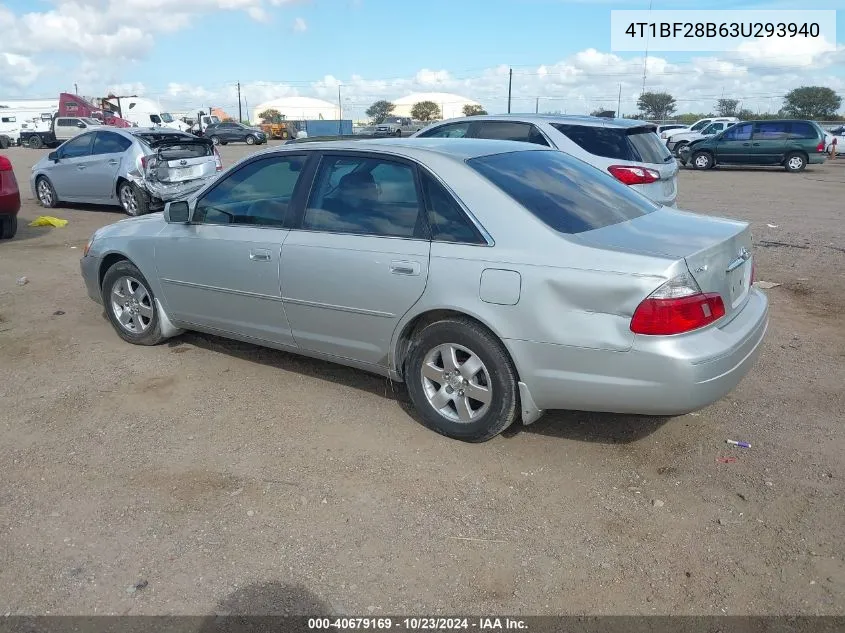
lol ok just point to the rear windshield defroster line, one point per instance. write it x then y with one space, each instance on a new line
565 193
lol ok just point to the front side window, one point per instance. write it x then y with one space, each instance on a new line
79 146
739 133
155 118
365 196
713 128
452 130
700 125
68 122
567 194
110 143
258 194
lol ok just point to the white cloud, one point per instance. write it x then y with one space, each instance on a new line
18 70
299 25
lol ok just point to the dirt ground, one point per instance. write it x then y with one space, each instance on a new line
233 478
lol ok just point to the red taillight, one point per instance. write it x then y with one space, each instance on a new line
820 147
631 175
143 162
5 164
676 316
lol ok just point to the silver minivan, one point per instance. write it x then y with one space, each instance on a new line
626 149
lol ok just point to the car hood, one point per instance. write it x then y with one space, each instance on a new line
146 224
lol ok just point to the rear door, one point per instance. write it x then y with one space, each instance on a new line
98 171
734 146
803 136
769 141
359 259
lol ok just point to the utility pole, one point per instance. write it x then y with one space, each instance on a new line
339 112
75 89
240 113
537 106
510 83
645 59
619 103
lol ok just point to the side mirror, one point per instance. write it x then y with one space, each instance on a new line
178 212
54 156
80 124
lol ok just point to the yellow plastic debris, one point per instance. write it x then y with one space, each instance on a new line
48 220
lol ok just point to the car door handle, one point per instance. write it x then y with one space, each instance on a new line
80 167
756 144
113 162
405 268
259 255
746 144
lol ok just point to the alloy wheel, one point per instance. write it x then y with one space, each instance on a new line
132 305
456 383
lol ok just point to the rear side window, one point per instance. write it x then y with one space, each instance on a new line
110 143
771 131
802 129
511 131
446 219
568 195
452 130
633 144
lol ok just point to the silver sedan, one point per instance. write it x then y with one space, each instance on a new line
496 279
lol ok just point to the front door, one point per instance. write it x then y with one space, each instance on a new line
360 259
734 146
221 271
68 175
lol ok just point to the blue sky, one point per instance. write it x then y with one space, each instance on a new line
185 52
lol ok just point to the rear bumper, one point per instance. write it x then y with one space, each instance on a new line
658 376
818 158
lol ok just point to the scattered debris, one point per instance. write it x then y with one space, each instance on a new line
141 584
837 248
657 503
478 540
726 460
22 281
235 493
766 285
741 496
59 313
769 484
740 444
48 220
324 500
769 243
772 226
250 513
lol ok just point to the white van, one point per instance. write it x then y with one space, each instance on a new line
148 113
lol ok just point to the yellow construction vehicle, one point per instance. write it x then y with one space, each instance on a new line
276 127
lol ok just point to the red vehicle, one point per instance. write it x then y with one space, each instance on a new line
75 106
10 200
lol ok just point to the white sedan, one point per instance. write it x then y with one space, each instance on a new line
838 134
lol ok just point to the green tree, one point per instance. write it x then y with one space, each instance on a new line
473 110
744 114
727 107
380 110
812 102
425 111
656 105
271 116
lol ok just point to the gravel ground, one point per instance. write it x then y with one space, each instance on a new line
233 478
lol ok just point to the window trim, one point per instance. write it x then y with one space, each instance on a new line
321 155
306 174
482 232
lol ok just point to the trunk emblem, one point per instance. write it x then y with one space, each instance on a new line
183 162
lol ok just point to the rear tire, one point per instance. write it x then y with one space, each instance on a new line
215 140
36 143
134 201
451 361
8 227
45 193
702 160
5 142
130 305
795 162
398 133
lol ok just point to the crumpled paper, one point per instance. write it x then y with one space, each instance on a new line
48 220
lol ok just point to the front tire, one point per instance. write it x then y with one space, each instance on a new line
47 197
702 160
795 162
8 227
250 140
35 142
462 381
133 200
398 133
130 305
215 140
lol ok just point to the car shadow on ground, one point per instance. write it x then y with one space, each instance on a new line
603 428
258 607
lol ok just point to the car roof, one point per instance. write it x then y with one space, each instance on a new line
459 148
592 121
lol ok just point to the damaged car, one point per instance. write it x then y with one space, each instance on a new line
138 169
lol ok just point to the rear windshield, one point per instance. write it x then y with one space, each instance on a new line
151 138
567 194
639 144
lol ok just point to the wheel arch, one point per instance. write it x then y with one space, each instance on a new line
401 345
790 152
108 261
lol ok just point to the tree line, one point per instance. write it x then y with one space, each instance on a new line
808 102
420 111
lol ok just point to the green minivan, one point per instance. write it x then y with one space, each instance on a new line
790 143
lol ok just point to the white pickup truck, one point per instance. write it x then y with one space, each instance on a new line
676 139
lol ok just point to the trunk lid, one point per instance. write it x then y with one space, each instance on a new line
717 251
182 159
